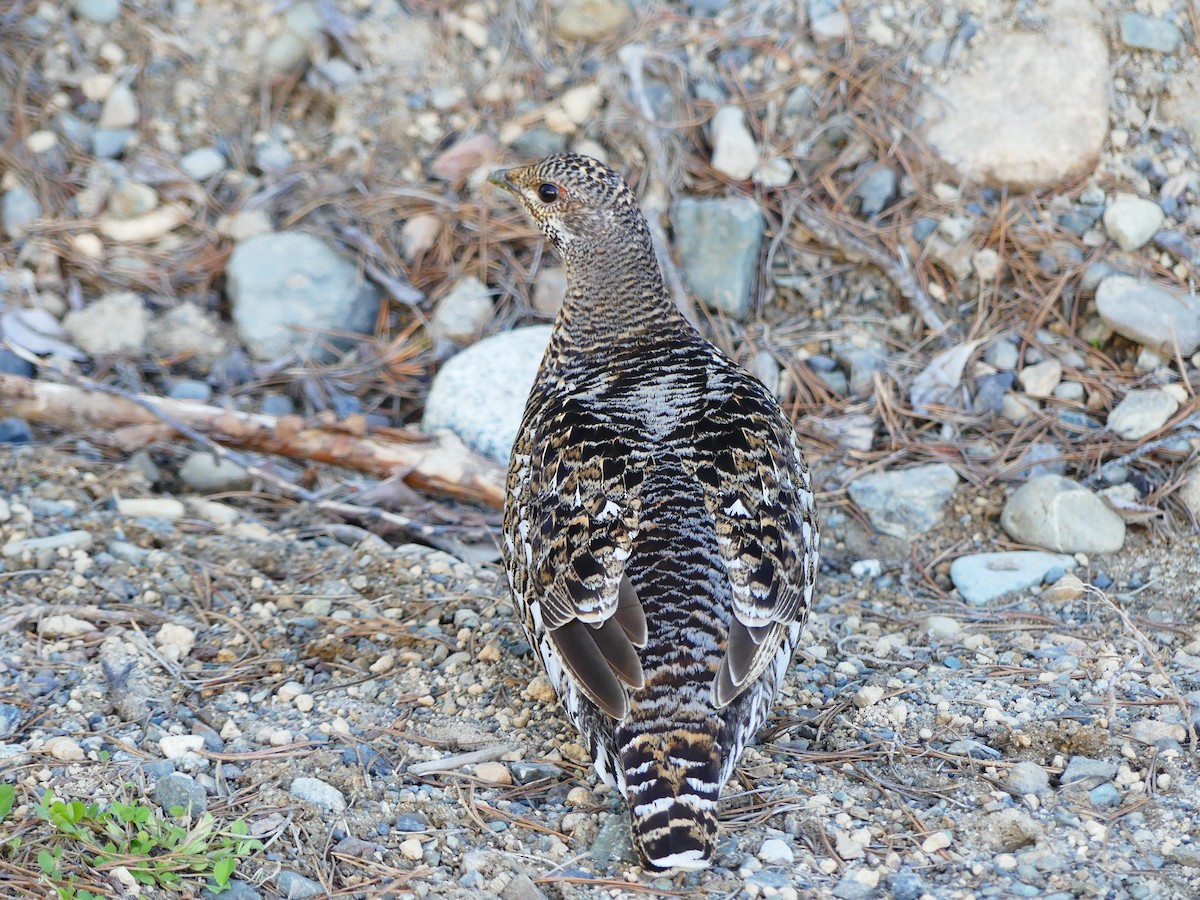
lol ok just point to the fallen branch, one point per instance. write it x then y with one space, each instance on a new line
439 463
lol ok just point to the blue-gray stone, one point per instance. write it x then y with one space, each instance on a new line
102 12
10 717
982 577
852 889
109 143
296 887
1144 33
876 190
11 364
15 431
1082 772
906 885
278 405
1042 458
157 768
233 890
539 142
191 389
179 790
613 843
525 772
990 391
905 503
202 163
286 288
718 242
1105 795
1021 889
411 822
18 209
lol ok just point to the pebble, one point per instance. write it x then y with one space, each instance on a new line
297 887
1105 795
417 235
411 849
493 773
1150 315
1059 514
1040 380
868 695
285 288
589 20
939 840
982 577
905 503
191 389
68 540
15 431
209 474
526 772
1027 778
120 110
480 393
735 152
775 852
187 330
203 163
718 241
109 143
102 12
1054 134
827 21
11 364
876 190
942 628
409 822
290 48
64 748
1132 221
1145 33
18 210
1150 731
463 313
1086 773
143 229
522 887
318 793
463 157
156 507
176 641
177 789
581 103
177 746
1141 413
613 844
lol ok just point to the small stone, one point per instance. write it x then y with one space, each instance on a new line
131 199
1141 413
827 22
18 210
1151 731
1105 795
521 888
581 103
120 109
176 641
942 628
182 790
15 431
154 507
296 887
463 313
1027 778
1040 380
1002 355
177 746
541 690
906 502
589 20
983 577
1086 773
527 772
1144 33
876 190
463 157
847 847
613 844
190 389
64 626
318 793
110 143
286 288
718 242
102 12
1165 321
209 474
68 540
290 48
1132 221
64 748
939 840
145 228
411 849
203 163
868 695
1057 513
775 852
480 393
986 263
11 364
735 152
417 235
187 330
493 773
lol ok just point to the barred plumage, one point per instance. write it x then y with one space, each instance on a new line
659 531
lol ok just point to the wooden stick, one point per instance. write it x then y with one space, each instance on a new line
438 463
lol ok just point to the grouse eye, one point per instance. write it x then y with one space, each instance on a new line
547 193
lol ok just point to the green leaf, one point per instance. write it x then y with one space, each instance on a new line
8 796
47 863
223 869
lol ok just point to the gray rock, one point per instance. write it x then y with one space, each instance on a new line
525 772
735 152
1144 33
906 502
1150 315
285 288
1041 458
191 389
318 793
1002 355
827 21
521 888
121 109
906 885
114 325
179 790
102 12
876 190
1141 413
233 890
272 155
480 393
850 888
1082 772
109 143
15 431
296 887
1132 221
1057 513
982 577
209 474
589 20
1027 778
464 312
613 843
775 852
1105 795
202 163
189 331
718 241
11 364
410 822
290 48
17 210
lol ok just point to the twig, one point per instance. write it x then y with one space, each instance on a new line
459 760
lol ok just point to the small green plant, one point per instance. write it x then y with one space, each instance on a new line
155 850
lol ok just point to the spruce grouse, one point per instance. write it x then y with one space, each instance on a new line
659 531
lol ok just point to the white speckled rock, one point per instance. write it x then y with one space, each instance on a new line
464 312
1057 513
480 394
982 577
1141 413
1131 221
1150 315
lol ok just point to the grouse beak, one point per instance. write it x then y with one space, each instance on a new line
500 179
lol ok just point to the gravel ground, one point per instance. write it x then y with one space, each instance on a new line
182 183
